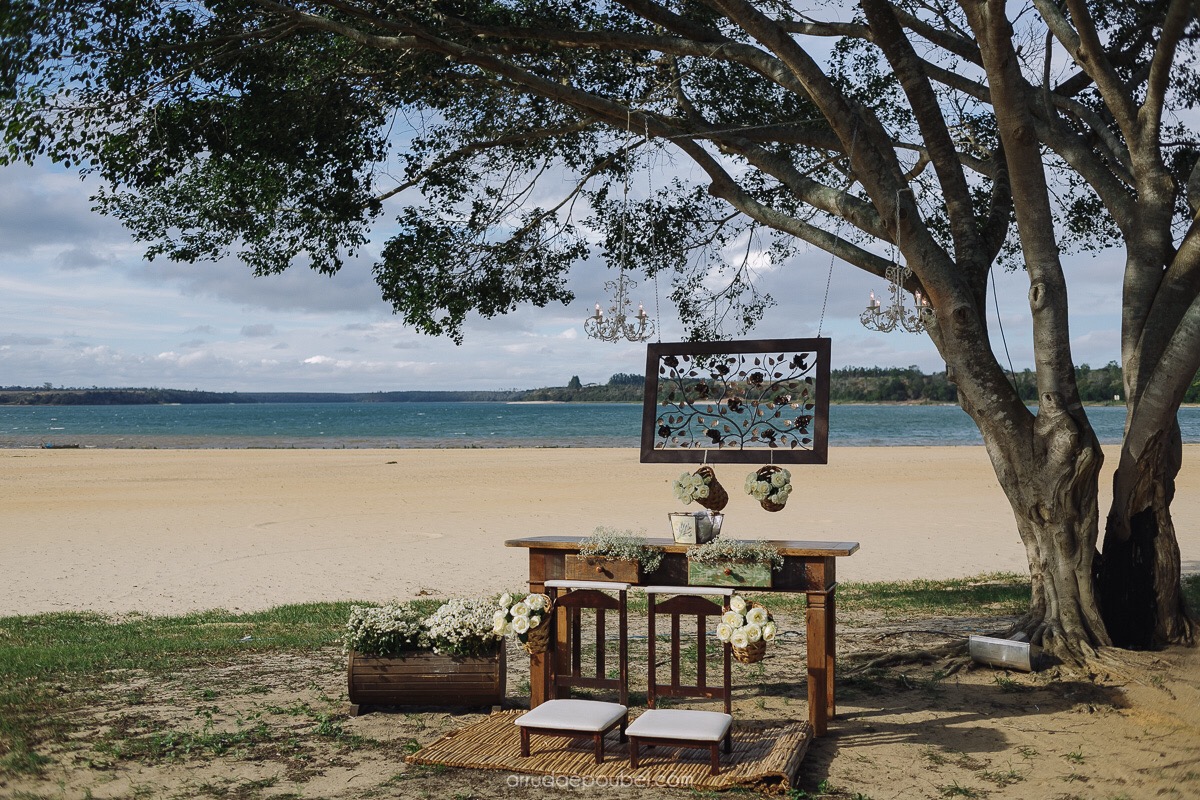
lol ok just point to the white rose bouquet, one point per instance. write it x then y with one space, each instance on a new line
770 486
703 487
747 626
528 618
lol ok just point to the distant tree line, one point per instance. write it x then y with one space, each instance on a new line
847 385
22 396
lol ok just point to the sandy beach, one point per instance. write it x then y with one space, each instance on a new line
168 531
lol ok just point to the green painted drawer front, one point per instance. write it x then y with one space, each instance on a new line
730 574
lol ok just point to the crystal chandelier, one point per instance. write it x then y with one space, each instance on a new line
618 324
887 319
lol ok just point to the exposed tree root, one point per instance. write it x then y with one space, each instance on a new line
882 659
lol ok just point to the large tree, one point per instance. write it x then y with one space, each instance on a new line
499 136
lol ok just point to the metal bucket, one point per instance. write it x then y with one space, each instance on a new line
1004 653
695 527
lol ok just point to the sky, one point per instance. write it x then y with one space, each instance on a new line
80 307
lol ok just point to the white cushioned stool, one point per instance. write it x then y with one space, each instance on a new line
579 718
685 727
680 727
574 718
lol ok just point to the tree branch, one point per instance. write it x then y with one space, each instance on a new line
468 150
1084 45
1013 105
898 51
1179 14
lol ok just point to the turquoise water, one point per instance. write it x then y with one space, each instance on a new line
457 425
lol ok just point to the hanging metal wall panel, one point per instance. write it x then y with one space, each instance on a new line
737 402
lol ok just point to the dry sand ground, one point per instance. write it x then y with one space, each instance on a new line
910 732
168 531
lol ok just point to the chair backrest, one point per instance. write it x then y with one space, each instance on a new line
678 607
566 668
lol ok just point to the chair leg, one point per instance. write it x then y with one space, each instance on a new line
524 742
729 740
715 760
598 743
624 724
633 752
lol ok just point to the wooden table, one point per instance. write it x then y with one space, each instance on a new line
808 567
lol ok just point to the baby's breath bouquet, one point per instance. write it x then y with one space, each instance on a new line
457 627
527 618
463 628
747 626
622 545
386 631
770 486
720 551
701 486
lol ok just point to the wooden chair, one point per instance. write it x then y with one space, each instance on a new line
561 716
683 727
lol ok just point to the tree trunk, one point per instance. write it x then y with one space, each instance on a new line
1050 475
1139 580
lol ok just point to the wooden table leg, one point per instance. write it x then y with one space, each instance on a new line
819 620
830 649
539 665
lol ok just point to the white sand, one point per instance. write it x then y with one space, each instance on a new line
167 531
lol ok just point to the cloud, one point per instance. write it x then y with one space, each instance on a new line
28 341
258 331
43 207
205 329
79 258
319 360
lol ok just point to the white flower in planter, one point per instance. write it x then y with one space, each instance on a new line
738 603
739 639
768 632
724 631
732 618
753 633
520 624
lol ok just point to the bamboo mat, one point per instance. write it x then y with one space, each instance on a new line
766 756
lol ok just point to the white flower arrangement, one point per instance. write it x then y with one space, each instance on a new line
463 627
745 624
722 551
773 487
690 486
623 545
519 616
385 630
457 627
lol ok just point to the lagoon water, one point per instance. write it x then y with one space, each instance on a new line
412 425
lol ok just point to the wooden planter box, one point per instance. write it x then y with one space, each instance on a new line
732 573
598 568
426 679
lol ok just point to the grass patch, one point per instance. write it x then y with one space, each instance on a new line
999 593
1191 591
46 659
993 594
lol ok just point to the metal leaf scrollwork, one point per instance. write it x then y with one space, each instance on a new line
734 406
